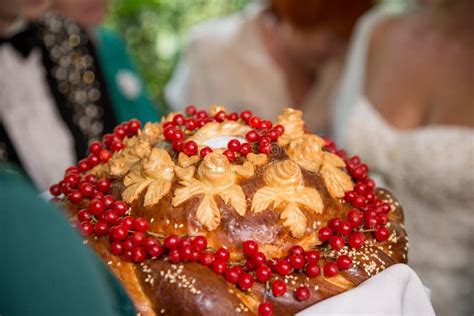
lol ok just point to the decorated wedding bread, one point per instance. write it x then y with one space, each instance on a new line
216 213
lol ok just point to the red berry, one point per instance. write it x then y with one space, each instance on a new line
96 207
279 129
370 221
93 161
313 270
337 242
249 248
134 126
202 115
283 267
278 288
173 256
230 155
264 148
361 188
86 189
370 183
263 273
105 155
370 196
219 266
334 224
171 242
220 116
207 259
127 222
137 238
140 225
95 148
205 151
255 122
177 145
266 124
382 233
325 234
138 254
127 244
169 132
117 146
344 262
119 233
199 243
86 229
233 116
191 124
265 309
190 110
245 149
101 228
273 135
358 201
245 281
302 293
75 197
55 190
297 261
120 132
382 219
97 195
245 116
222 254
190 148
155 250
120 207
296 250
356 240
111 217
178 135
234 145
186 253
355 217
312 256
232 274
345 228
103 185
108 201
330 269
83 215
179 119
116 248
349 196
72 180
258 259
252 136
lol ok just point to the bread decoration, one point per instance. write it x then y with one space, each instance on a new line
216 212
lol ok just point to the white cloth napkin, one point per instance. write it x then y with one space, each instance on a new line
395 291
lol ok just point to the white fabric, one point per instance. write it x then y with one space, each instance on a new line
395 291
225 62
429 169
41 139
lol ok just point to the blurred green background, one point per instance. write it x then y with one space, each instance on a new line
155 30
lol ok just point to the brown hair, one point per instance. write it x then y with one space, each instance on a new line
306 15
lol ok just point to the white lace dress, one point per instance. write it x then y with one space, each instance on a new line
431 171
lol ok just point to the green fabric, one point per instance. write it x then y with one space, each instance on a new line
114 60
44 267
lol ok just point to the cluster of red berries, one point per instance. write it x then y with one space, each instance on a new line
259 139
369 212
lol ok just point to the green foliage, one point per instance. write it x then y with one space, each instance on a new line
155 31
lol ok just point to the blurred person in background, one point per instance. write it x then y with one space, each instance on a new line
124 83
54 99
283 53
406 105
